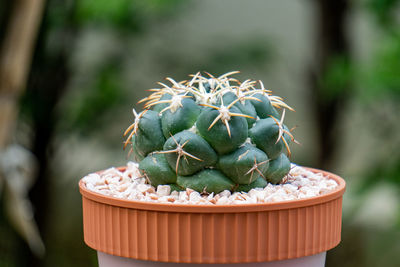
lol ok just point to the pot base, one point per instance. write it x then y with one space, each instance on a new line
107 260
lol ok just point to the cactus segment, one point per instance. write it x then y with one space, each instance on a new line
244 165
187 153
283 130
149 136
287 137
264 108
222 129
245 106
174 121
265 135
211 133
258 183
248 108
136 156
157 170
160 106
278 168
207 180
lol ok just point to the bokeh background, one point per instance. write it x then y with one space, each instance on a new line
72 70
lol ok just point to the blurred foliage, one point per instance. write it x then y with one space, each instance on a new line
240 55
122 15
52 71
104 90
382 76
378 90
337 77
388 172
243 54
385 13
102 95
117 13
380 81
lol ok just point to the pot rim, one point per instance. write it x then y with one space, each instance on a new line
234 208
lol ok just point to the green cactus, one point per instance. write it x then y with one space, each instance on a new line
211 134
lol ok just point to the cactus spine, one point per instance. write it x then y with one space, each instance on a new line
211 134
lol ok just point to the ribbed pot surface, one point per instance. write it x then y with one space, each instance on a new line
213 234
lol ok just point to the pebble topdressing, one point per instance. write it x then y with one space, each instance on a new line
130 184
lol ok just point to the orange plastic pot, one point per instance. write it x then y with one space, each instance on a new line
246 233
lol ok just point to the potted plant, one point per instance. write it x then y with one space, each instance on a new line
213 183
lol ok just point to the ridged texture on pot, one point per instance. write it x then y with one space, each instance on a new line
213 234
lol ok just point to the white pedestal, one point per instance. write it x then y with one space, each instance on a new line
107 260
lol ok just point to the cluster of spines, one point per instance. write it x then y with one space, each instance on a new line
190 111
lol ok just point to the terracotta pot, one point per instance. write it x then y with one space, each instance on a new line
179 233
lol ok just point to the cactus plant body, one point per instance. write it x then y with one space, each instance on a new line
211 134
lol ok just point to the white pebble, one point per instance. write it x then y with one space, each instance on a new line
225 193
142 188
183 196
259 195
194 196
222 201
163 190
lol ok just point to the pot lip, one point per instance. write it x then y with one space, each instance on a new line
235 208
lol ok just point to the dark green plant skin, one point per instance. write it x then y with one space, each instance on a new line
136 156
265 134
287 139
258 183
149 136
278 168
157 169
248 109
175 187
183 118
218 135
194 145
237 164
286 136
207 180
212 138
264 108
157 108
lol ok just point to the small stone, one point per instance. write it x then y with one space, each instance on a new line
143 188
225 193
183 196
210 196
90 187
289 188
175 194
189 191
122 187
222 201
259 195
195 196
163 190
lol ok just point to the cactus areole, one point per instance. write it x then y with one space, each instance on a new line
211 134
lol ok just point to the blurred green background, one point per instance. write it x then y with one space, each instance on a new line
336 62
